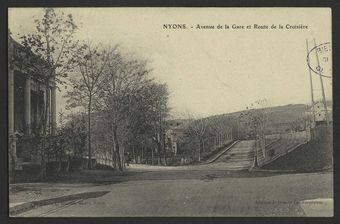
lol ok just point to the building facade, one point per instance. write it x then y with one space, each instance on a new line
27 105
174 133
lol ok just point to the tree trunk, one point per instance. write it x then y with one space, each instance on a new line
219 139
159 152
122 155
59 164
43 168
48 154
113 154
199 151
151 155
116 150
164 148
89 132
142 152
68 164
203 149
133 153
44 134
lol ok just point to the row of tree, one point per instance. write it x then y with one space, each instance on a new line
115 89
125 108
202 136
127 104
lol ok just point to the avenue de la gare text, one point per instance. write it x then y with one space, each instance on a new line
235 26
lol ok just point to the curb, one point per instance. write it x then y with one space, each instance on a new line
292 171
15 210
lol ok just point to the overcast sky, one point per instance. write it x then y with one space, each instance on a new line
208 71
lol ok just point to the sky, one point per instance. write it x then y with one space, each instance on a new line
208 71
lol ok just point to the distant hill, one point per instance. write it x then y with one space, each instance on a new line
279 117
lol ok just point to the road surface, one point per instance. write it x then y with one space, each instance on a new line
210 192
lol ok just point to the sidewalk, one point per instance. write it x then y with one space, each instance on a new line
21 193
75 185
20 207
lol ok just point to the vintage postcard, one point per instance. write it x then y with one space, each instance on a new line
170 112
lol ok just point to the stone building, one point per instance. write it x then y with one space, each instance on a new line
27 97
320 114
174 133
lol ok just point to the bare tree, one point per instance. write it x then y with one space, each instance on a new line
91 68
221 128
48 55
197 129
256 118
148 113
123 79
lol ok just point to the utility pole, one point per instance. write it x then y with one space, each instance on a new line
322 88
311 89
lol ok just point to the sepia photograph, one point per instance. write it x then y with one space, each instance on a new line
170 112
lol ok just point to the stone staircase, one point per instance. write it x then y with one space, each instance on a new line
240 156
214 157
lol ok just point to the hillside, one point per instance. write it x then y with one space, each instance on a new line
308 157
279 117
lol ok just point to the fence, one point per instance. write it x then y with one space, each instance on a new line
104 160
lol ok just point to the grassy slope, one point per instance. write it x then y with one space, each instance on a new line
308 157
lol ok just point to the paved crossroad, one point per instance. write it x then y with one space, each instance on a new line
221 188
201 193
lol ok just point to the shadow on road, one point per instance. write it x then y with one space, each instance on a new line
108 177
32 205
